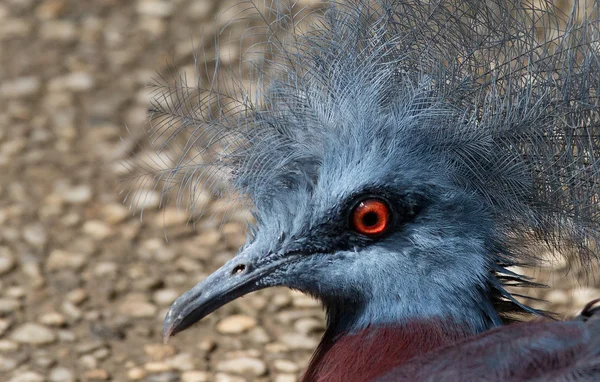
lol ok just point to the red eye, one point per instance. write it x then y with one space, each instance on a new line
371 217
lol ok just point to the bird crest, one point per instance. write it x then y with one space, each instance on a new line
495 99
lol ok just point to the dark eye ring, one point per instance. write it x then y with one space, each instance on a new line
371 217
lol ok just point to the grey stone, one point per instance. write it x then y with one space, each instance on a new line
20 87
35 234
164 297
33 334
60 260
7 260
236 324
195 376
243 365
28 376
9 305
61 374
78 194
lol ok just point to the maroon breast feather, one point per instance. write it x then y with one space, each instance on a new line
541 351
373 351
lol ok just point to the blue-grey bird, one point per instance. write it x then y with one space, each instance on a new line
400 158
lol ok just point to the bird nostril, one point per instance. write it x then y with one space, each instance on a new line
238 269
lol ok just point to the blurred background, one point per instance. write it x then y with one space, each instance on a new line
84 282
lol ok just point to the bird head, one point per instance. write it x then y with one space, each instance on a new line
378 232
400 159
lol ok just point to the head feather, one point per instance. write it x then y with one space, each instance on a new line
499 98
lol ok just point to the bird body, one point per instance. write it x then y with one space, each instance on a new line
431 351
532 351
400 159
374 351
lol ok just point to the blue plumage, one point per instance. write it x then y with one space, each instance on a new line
476 121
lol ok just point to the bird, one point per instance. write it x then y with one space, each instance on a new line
403 160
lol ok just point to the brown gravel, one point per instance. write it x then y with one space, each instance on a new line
84 283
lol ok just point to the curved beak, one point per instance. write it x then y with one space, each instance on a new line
243 274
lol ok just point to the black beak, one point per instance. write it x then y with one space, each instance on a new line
239 276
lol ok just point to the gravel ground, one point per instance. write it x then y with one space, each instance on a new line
84 283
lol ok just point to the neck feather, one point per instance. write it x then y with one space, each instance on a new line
354 351
374 350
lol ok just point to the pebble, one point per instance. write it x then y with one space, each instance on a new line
34 334
9 305
298 341
200 9
154 8
96 375
58 31
207 239
165 297
309 325
4 325
136 373
259 335
20 87
187 265
7 260
34 273
61 374
194 376
301 300
75 82
557 296
236 324
8 364
158 352
28 376
66 336
71 311
207 345
115 213
582 296
50 9
170 217
35 235
97 229
137 309
52 319
285 378
157 367
163 377
77 296
222 377
14 28
15 292
88 362
243 365
281 300
101 354
144 199
78 194
44 361
61 260
165 255
8 346
182 361
106 269
88 347
285 366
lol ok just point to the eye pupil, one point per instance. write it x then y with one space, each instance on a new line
370 219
